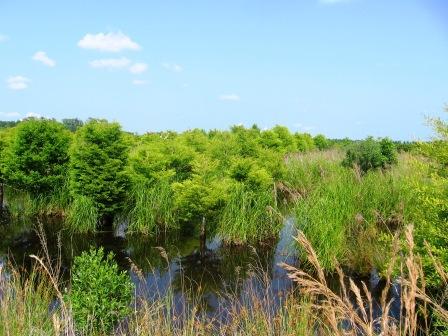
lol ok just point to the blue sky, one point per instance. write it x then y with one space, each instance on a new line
338 67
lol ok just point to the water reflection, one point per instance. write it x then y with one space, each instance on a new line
170 263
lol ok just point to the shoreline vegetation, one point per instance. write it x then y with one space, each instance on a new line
358 206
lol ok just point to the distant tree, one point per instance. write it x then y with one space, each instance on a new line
97 168
321 142
38 156
72 124
8 124
371 154
388 151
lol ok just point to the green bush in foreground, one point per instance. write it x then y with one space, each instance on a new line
100 294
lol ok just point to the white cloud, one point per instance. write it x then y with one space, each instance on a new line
110 42
42 57
172 67
110 63
3 38
229 97
138 68
17 82
139 82
10 114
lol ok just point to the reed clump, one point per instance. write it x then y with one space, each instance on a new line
249 215
83 215
151 208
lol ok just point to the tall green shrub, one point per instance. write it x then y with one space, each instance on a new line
38 156
97 167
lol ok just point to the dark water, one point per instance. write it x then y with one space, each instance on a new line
202 278
210 274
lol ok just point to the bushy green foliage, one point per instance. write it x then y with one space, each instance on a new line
100 294
201 196
98 159
38 156
321 142
304 142
430 211
371 154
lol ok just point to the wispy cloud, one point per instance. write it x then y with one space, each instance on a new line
110 63
17 82
33 115
138 68
41 56
304 128
229 97
10 114
172 67
110 42
139 82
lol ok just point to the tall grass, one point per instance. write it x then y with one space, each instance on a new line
305 171
82 215
249 216
23 204
349 218
151 208
25 300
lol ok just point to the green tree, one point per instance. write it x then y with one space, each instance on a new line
5 140
72 124
97 167
38 156
371 154
321 142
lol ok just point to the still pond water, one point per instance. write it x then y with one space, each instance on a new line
211 272
214 272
